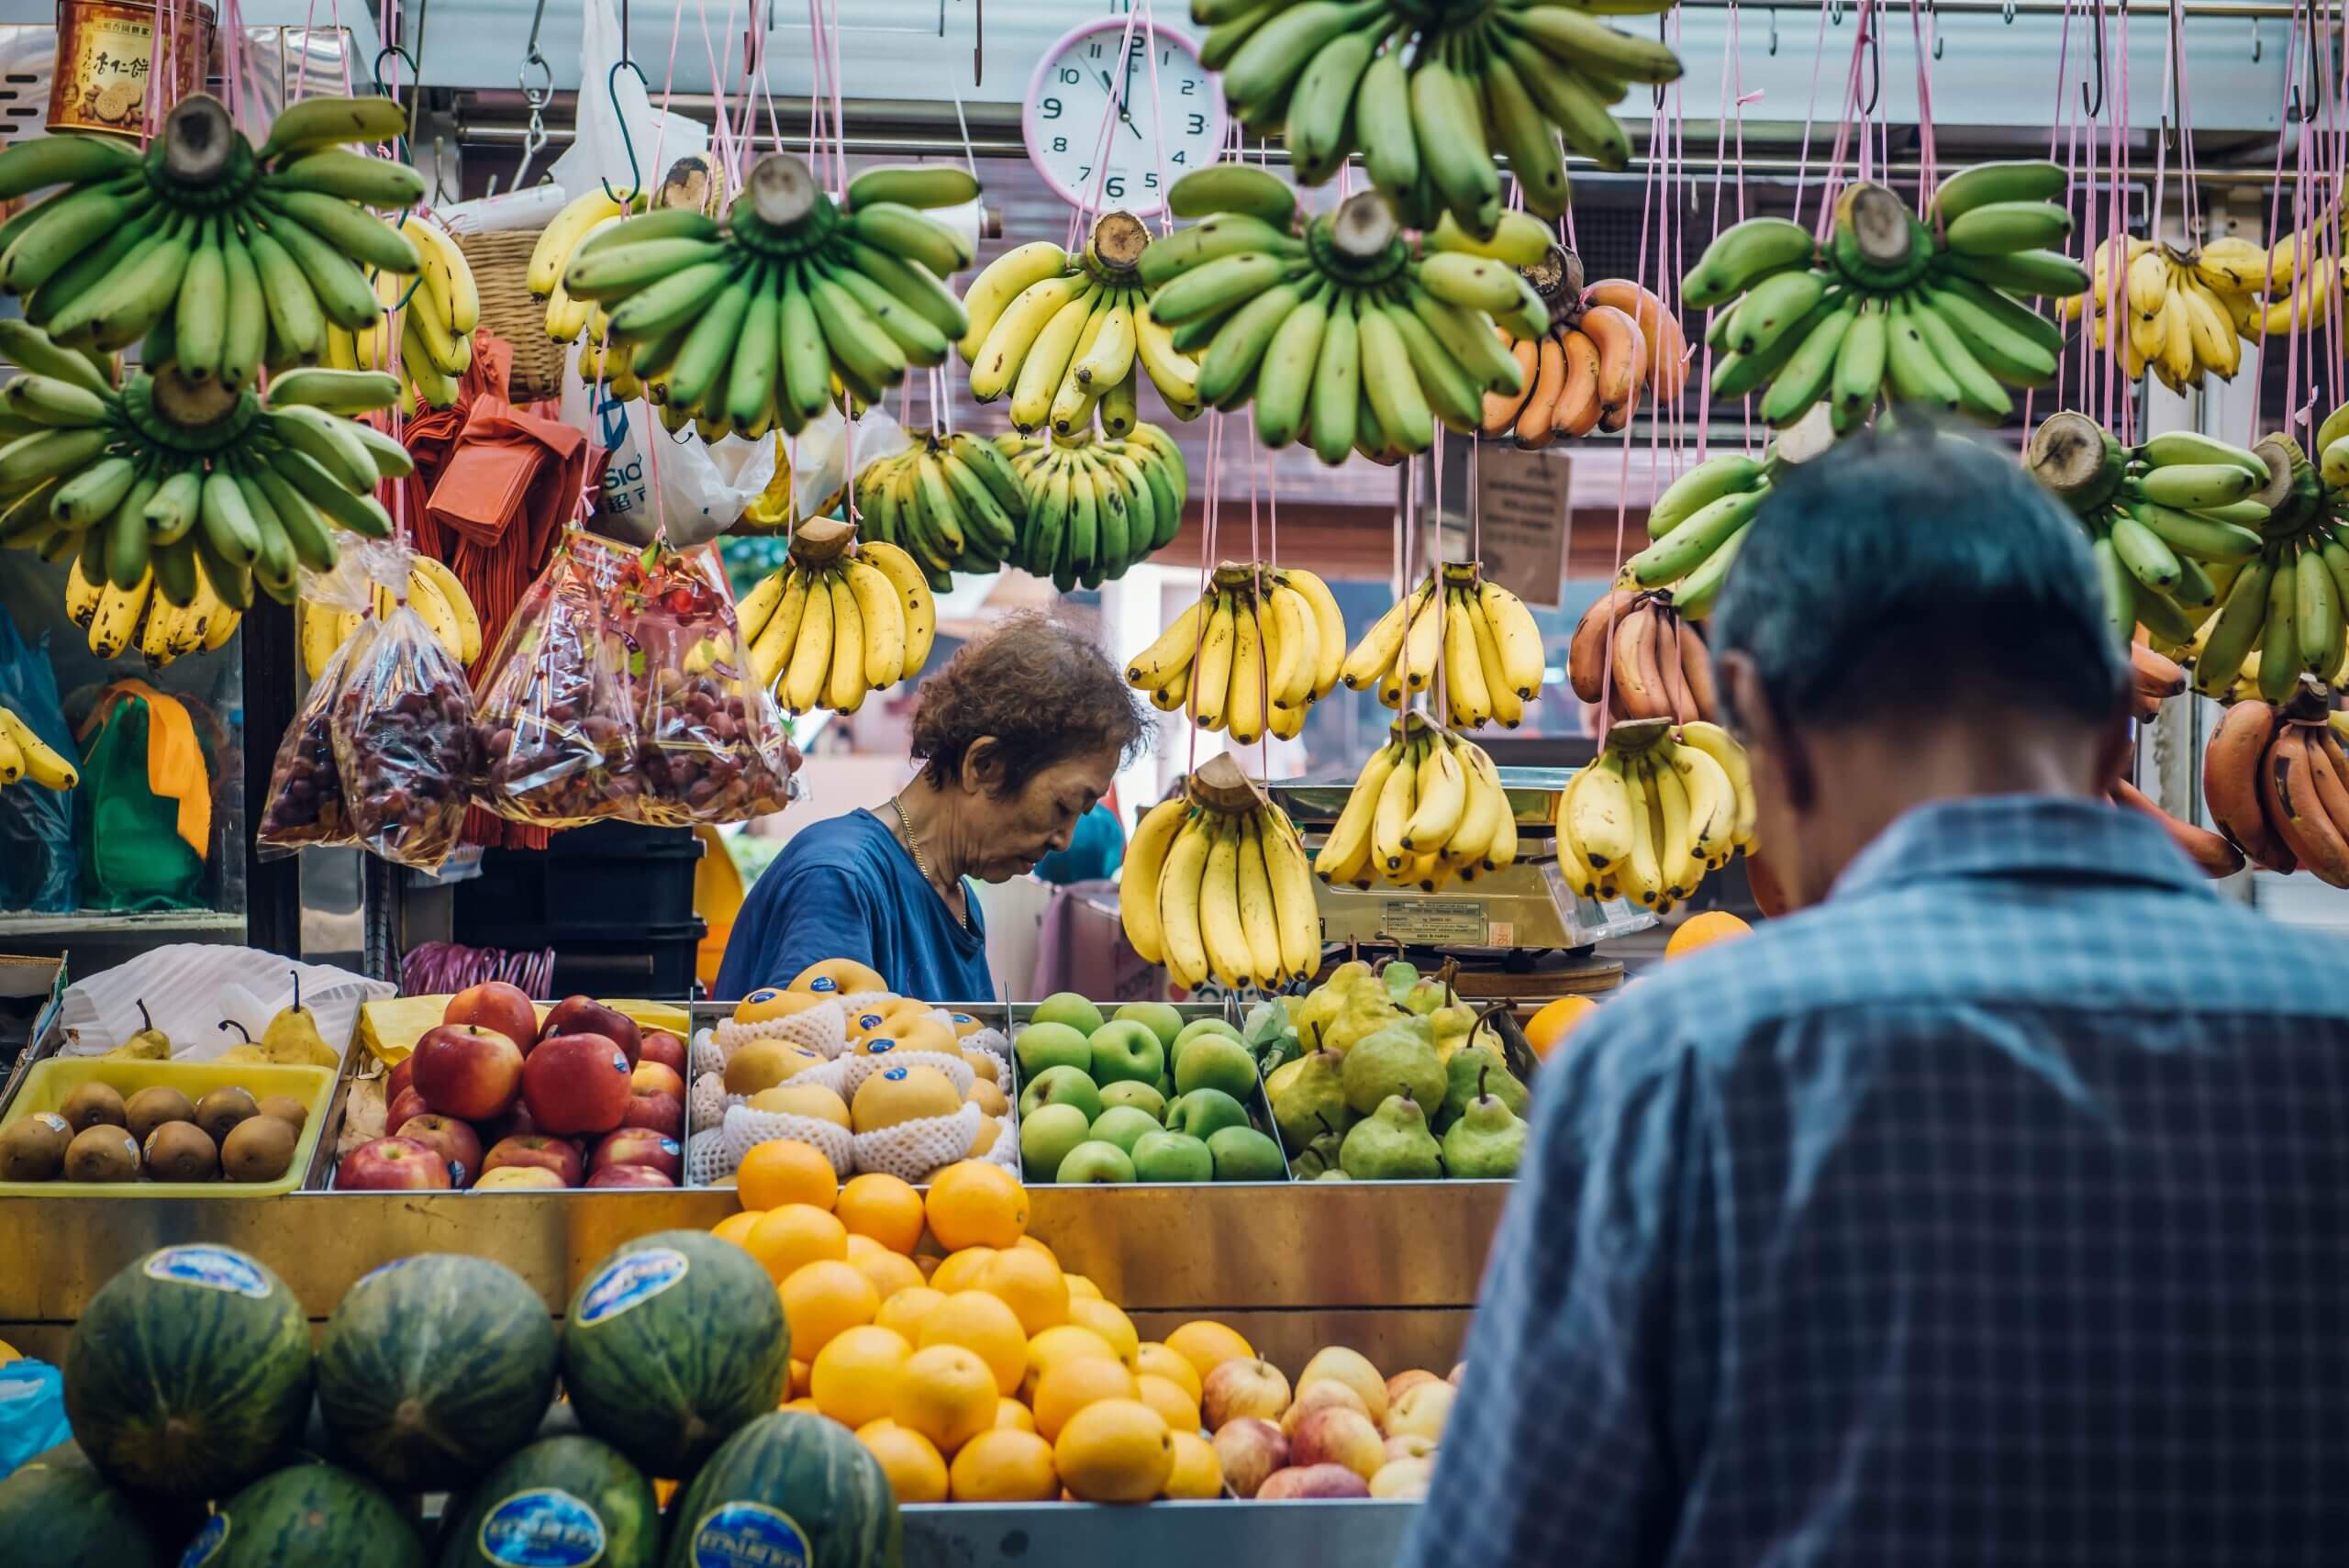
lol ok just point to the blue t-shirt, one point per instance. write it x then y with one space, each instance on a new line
846 888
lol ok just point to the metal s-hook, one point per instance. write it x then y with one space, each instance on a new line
1835 13
2007 13
534 136
2304 106
2255 45
634 171
978 40
1773 31
1875 65
2095 107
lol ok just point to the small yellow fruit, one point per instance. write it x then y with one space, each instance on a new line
1352 1368
767 1004
854 1379
1207 1344
1109 1322
1116 1450
1154 1360
1198 1472
889 1272
898 1095
1703 931
917 1473
736 1228
1176 1408
984 1139
763 1063
988 1099
811 1100
783 1171
946 1394
1029 1282
983 1064
1073 1384
1003 1466
797 1234
1080 1285
838 977
984 1325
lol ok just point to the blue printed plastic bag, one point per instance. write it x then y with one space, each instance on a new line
39 869
32 1412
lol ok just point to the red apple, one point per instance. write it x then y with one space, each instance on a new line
406 1106
390 1164
585 1015
555 1154
495 1004
1312 1481
661 1112
641 1146
1338 1436
666 1049
507 1178
403 1077
577 1082
457 1143
512 1124
652 1076
468 1072
629 1177
1250 1449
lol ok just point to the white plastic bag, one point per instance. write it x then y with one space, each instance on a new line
599 152
190 987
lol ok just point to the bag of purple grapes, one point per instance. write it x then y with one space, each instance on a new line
404 743
306 802
557 734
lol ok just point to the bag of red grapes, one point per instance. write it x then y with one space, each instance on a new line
306 799
558 736
404 739
709 740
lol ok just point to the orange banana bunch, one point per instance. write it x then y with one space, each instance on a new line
2211 851
1659 665
1606 344
2277 780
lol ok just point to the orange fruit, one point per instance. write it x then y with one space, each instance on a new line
1556 1020
1079 1285
883 1207
973 1204
904 1311
1107 1321
984 1325
1009 1412
889 1272
787 1238
1154 1360
946 1394
1197 1472
1031 1244
1207 1345
736 1228
780 1171
917 1473
1053 1346
962 1270
824 1299
1176 1408
855 1376
802 1405
1114 1450
1030 1284
1072 1384
1003 1466
799 1372
1703 931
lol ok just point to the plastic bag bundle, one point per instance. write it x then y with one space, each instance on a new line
709 739
558 742
306 796
404 743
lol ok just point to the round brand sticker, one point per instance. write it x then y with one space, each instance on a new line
214 1268
764 994
619 1062
879 1046
544 1527
823 984
208 1542
895 1075
669 1146
748 1535
631 1279
870 1021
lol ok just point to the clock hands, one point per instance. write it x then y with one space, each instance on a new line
1119 98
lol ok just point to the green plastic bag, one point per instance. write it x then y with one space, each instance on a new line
132 855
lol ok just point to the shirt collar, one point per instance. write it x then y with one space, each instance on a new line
2016 836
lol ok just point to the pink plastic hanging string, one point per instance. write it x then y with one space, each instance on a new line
1809 117
1213 470
2062 54
1851 124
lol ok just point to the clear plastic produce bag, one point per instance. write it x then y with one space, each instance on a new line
306 795
404 745
558 736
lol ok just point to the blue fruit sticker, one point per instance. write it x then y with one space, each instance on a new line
879 1046
631 1279
214 1268
748 1535
544 1528
763 994
669 1146
208 1542
619 1063
53 1121
823 983
895 1075
870 1021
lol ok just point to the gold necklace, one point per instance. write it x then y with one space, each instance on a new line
913 844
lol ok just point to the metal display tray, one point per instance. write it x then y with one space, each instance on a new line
1337 1533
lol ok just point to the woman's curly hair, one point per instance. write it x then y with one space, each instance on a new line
1043 692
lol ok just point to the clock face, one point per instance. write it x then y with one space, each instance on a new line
1162 112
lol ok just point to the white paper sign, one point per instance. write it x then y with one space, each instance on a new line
1521 500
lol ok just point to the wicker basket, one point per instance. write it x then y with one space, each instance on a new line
501 264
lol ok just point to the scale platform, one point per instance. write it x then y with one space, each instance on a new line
1508 917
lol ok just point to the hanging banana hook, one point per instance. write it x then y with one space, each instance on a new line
1875 65
627 61
535 138
2095 107
1773 31
2305 105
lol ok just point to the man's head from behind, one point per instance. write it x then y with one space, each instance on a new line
1911 618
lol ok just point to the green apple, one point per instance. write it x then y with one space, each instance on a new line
1165 1087
1161 1019
1142 1096
1203 1113
1067 1008
1192 1031
1094 1162
1172 1157
1123 1125
1047 1045
1215 1063
1243 1154
1060 1086
1047 1135
1127 1053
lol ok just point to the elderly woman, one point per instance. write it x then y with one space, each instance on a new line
1018 737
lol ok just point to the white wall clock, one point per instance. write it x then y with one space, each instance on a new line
1163 113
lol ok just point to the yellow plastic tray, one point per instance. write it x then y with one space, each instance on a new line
47 1083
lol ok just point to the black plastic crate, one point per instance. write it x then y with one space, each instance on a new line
655 962
609 880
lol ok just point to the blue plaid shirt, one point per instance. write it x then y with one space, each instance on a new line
1995 1212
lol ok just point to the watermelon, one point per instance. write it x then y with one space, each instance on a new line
560 1503
189 1374
433 1368
56 1511
670 1343
306 1513
789 1487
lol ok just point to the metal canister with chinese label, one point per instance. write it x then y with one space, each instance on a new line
106 51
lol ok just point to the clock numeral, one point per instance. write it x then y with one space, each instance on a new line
1148 180
1070 75
1094 51
1060 144
1114 186
1050 108
1176 156
1199 123
1190 85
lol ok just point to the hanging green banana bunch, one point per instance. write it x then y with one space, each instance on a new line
1095 506
218 258
768 317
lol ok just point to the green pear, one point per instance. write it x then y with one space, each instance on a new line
1468 1074
1392 1144
1396 976
1425 997
1489 1138
1321 1154
1307 1096
1392 1060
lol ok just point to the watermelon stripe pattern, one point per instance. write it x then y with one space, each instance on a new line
563 1499
307 1514
671 1343
189 1374
789 1480
57 1512
435 1367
